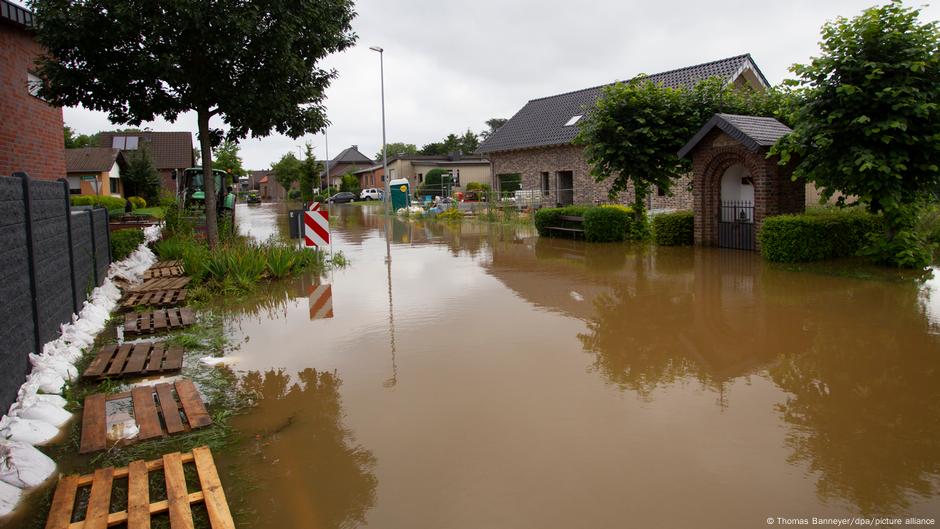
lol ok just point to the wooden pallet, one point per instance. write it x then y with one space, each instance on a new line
181 410
156 298
167 264
166 271
140 358
160 283
158 320
140 509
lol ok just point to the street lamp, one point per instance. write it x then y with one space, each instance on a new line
388 194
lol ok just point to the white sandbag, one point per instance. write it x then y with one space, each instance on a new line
38 409
27 430
60 366
53 400
9 497
47 381
22 465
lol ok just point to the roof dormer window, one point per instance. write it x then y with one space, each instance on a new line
573 120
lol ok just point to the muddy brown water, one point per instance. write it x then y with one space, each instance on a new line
489 378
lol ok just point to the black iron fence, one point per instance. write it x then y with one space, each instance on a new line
736 225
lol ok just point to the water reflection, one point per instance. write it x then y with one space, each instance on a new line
311 472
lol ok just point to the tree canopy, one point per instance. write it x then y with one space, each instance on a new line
227 159
78 141
396 148
140 177
287 170
633 134
493 125
310 169
466 144
254 66
869 122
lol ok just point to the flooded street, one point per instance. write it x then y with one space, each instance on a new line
489 378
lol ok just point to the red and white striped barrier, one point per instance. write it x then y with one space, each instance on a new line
316 227
320 298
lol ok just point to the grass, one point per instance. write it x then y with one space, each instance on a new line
156 211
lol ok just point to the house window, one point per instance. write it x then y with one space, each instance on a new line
115 186
33 84
420 178
573 120
660 191
75 185
546 184
125 143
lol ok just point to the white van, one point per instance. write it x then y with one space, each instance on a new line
371 193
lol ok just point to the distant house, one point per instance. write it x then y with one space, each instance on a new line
534 150
170 151
371 177
464 168
349 160
95 171
31 138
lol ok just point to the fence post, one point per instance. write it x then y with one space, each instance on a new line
94 249
68 228
107 232
28 218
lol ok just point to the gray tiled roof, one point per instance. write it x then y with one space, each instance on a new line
90 159
753 132
541 122
169 150
351 155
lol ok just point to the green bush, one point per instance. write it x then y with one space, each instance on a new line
547 217
816 235
477 186
674 229
294 194
137 202
452 214
608 224
124 242
109 203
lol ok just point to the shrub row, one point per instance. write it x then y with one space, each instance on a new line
816 235
609 223
124 242
674 229
103 201
137 202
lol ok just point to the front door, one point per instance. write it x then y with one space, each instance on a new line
565 188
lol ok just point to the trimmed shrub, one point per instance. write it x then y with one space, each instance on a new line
546 217
674 229
124 242
816 235
608 224
137 202
99 200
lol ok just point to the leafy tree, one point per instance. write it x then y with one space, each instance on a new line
869 125
469 142
350 183
287 170
494 124
633 133
73 141
436 181
226 159
433 149
310 170
252 65
396 148
140 177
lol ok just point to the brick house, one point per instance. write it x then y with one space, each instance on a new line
371 177
31 138
170 151
735 184
349 160
534 151
95 171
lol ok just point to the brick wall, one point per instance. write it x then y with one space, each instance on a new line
531 163
31 137
775 193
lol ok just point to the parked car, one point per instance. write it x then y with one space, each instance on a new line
342 197
254 197
372 193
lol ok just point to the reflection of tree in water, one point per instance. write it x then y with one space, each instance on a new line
864 404
311 473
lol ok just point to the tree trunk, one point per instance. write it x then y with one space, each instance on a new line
212 221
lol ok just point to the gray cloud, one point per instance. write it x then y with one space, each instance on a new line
450 66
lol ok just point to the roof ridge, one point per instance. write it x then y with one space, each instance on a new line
741 56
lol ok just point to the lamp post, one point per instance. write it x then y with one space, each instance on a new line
388 194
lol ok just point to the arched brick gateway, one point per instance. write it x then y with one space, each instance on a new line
737 146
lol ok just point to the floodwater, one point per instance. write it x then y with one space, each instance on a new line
488 378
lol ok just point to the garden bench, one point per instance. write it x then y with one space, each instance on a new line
571 219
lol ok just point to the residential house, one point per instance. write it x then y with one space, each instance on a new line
464 168
31 138
349 160
170 151
95 171
534 150
371 177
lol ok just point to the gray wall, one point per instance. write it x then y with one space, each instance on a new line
51 256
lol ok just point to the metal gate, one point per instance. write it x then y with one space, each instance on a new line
736 225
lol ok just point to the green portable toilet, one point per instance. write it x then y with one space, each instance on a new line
400 191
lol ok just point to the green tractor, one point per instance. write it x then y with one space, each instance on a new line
191 195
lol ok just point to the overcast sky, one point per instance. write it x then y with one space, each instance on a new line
450 66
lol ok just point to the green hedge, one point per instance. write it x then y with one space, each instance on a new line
674 229
609 223
99 200
815 235
138 202
124 242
